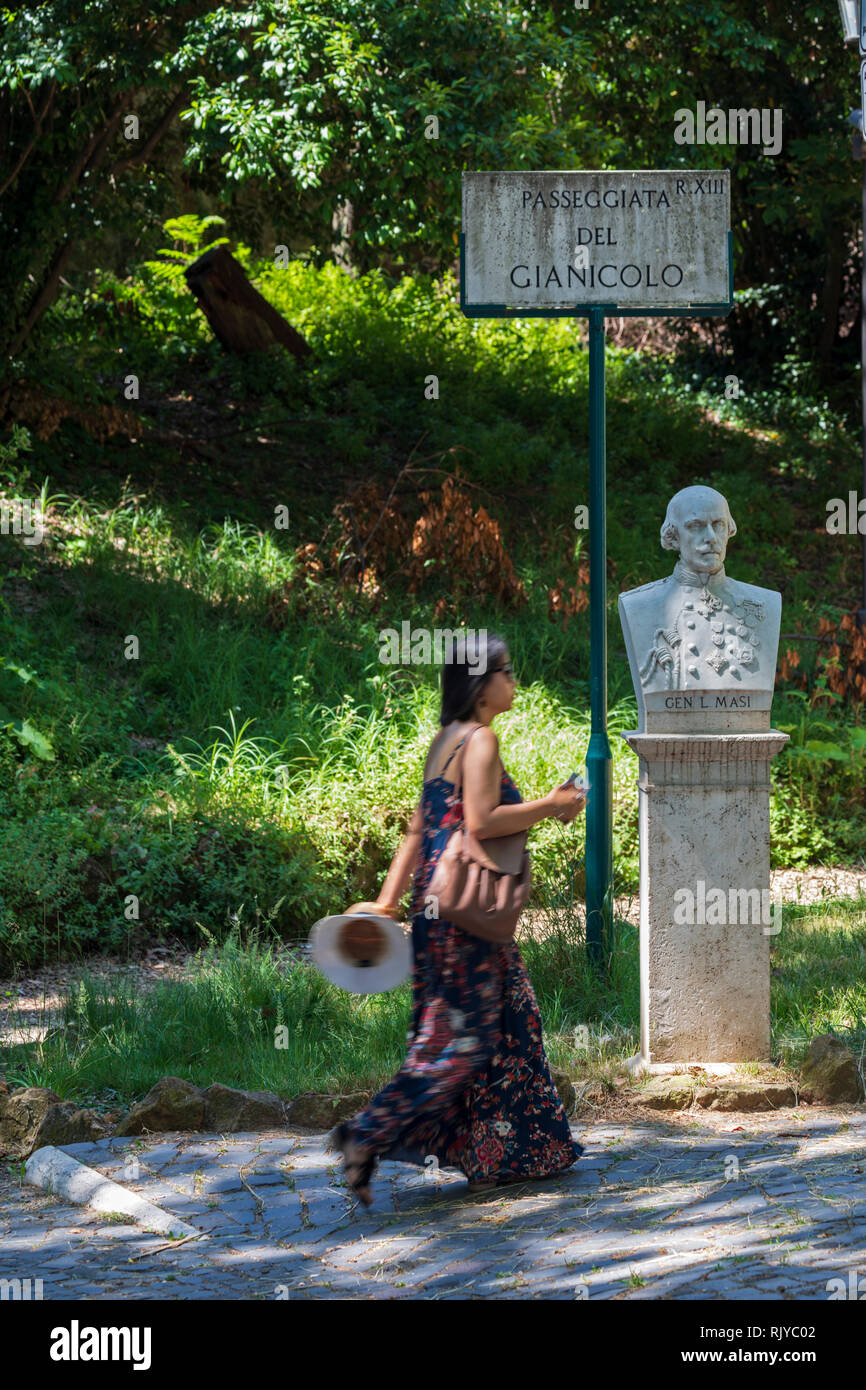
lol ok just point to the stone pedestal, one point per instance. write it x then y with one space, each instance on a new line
705 832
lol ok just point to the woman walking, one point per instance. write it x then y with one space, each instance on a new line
475 1090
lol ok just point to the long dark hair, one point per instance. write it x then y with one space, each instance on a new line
461 686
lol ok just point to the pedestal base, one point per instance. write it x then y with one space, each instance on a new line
705 919
639 1066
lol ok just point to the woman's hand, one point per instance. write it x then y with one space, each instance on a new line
568 816
566 803
380 909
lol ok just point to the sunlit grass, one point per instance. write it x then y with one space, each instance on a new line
219 1023
819 977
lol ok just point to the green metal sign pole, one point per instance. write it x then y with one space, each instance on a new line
599 766
694 194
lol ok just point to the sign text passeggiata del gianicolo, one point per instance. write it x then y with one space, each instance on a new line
560 239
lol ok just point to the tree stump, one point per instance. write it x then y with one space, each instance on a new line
241 318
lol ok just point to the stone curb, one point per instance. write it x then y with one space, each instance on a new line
56 1172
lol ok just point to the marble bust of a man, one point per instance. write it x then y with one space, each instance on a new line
698 631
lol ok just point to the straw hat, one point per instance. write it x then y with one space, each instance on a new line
362 952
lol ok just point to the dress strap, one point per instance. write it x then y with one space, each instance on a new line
453 751
465 739
457 748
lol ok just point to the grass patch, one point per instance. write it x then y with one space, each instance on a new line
219 1025
819 978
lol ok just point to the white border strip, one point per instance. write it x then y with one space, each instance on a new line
57 1172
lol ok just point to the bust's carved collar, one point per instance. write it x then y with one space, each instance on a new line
695 580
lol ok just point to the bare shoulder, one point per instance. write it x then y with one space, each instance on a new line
483 747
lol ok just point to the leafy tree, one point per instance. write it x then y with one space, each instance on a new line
311 122
310 105
795 216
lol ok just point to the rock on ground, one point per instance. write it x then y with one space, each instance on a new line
565 1086
33 1117
679 1092
316 1110
829 1075
175 1104
172 1104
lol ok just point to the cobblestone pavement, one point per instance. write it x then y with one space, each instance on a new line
731 1207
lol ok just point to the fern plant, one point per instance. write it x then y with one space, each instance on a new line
189 230
159 290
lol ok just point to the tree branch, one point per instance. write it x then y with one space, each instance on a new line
90 159
35 136
43 296
150 145
95 147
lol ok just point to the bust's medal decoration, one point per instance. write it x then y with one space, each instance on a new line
713 632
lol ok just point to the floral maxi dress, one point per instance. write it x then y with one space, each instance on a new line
475 1090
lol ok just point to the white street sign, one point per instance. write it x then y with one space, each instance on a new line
573 239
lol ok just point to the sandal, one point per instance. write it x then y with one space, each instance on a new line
356 1171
